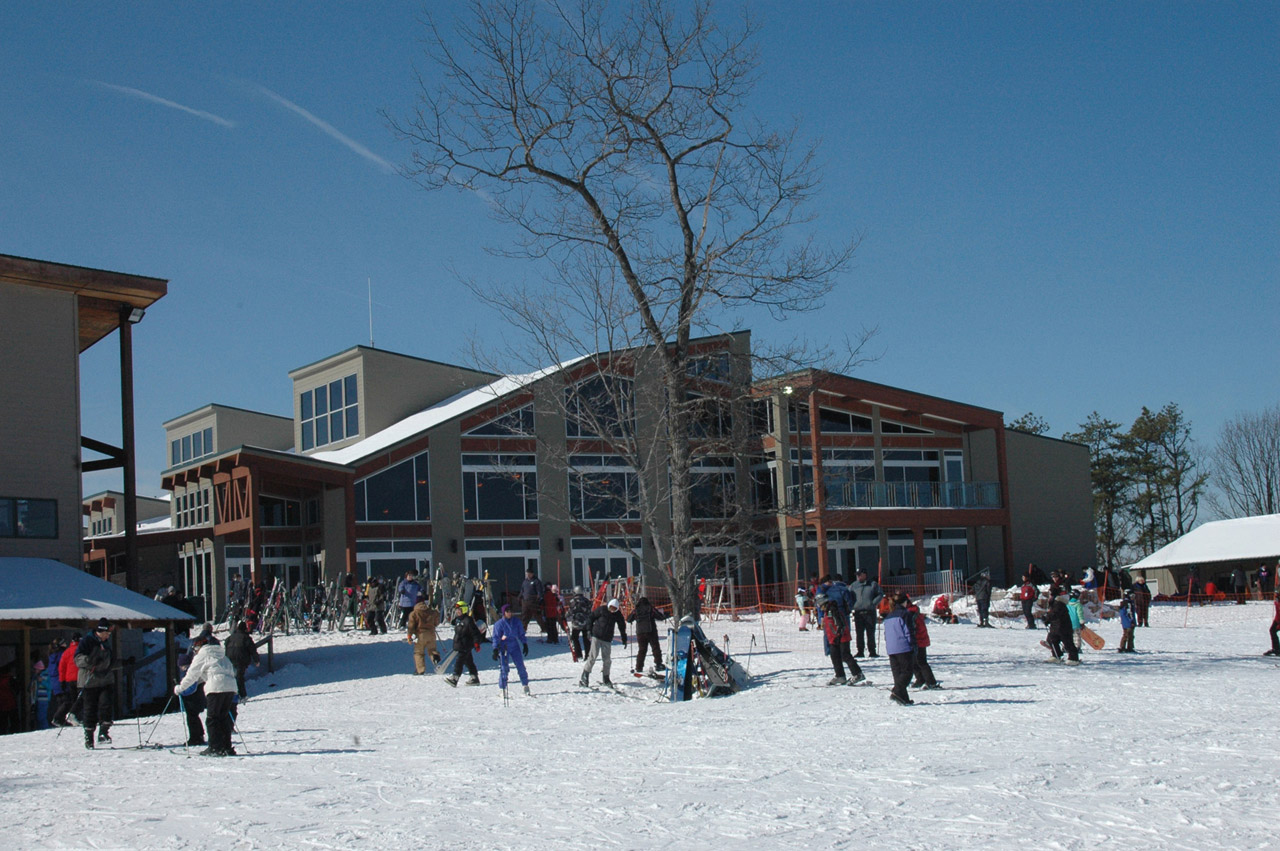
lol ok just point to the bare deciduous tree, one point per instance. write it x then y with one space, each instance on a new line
617 140
1246 465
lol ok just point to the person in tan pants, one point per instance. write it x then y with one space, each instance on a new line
422 632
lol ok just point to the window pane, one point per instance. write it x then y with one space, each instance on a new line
322 431
360 509
6 518
390 494
335 426
175 453
499 497
422 483
37 518
308 435
306 406
322 400
208 441
349 383
353 421
186 448
197 445
335 394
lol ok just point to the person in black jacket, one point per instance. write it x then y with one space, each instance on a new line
579 616
646 618
241 653
466 638
600 627
96 681
982 596
1061 633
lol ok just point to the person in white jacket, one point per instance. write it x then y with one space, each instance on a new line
211 667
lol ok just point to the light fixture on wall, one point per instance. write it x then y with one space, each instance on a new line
559 545
787 390
134 316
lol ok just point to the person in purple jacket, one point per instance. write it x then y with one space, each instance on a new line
511 646
900 642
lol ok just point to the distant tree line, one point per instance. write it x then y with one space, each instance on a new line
1150 479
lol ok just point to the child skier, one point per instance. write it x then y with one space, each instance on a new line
802 604
466 637
511 646
900 641
835 643
1128 620
923 673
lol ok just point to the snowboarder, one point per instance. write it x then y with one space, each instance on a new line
466 638
96 681
1275 628
1027 596
600 627
510 646
407 596
982 596
899 641
864 598
579 615
241 653
211 668
1141 599
646 618
835 643
923 672
423 621
1128 620
1058 619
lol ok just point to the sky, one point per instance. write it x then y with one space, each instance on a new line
1061 207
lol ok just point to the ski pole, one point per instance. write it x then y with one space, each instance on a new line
186 720
159 718
750 650
235 728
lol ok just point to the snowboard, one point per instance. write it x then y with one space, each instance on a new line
446 664
682 662
1092 638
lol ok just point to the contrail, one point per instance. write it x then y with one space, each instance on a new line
138 93
328 129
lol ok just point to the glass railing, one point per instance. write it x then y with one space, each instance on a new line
899 495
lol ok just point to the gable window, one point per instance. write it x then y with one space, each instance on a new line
329 413
601 405
517 423
190 447
400 493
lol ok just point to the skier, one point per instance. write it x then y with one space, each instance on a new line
1275 628
552 614
923 672
864 598
600 627
95 680
899 641
466 638
1141 599
1128 620
68 674
835 643
407 596
982 596
1239 585
646 618
1058 620
802 606
194 703
1027 595
423 621
210 667
241 653
511 646
579 615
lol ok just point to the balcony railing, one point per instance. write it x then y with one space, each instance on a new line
899 495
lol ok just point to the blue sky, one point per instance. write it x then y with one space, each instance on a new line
1063 207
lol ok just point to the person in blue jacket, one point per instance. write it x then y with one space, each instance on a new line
408 591
1128 620
900 642
1076 611
510 646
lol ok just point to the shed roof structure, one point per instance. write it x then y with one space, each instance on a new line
1220 541
40 592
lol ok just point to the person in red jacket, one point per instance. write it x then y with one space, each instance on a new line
551 614
67 673
923 673
1275 629
1027 596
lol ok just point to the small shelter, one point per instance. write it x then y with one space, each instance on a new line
42 599
1214 550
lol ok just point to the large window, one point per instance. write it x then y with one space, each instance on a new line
499 487
398 494
599 405
711 493
517 423
28 518
711 417
602 487
190 447
329 413
274 511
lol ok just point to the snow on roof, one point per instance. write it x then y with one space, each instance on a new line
44 589
455 406
1221 540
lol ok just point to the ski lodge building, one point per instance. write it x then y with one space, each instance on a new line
392 463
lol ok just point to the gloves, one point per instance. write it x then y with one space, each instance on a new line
525 648
495 654
477 646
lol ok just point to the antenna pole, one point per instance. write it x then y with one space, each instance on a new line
370 282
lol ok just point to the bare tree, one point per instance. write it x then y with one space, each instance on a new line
1246 465
617 140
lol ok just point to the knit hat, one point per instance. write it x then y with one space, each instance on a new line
613 604
103 626
506 609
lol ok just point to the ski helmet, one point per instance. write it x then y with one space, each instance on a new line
461 606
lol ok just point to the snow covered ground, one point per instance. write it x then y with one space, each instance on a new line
1172 747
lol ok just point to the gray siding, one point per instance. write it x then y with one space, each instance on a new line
1051 502
40 424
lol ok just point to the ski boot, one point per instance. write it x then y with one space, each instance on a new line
905 701
104 738
88 739
584 681
473 680
526 691
660 668
837 681
858 678
1073 662
452 680
932 686
607 681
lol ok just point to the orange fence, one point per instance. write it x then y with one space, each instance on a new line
724 598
